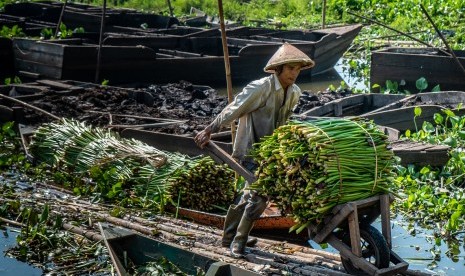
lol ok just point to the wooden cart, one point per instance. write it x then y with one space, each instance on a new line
363 249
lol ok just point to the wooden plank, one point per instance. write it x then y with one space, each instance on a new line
438 148
434 158
346 252
393 270
334 222
367 202
118 265
59 85
386 218
417 147
354 230
360 203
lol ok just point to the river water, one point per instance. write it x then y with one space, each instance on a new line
10 266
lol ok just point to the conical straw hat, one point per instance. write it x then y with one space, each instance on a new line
288 54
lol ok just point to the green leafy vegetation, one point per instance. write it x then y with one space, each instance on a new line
9 81
64 32
394 87
434 196
97 161
14 31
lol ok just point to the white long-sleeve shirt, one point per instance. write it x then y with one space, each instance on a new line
260 110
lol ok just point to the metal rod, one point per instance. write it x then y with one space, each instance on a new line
443 39
392 29
226 64
60 18
323 15
99 50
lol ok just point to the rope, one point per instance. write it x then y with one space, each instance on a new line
337 160
376 154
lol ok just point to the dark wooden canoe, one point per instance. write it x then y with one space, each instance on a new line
168 58
7 70
410 64
126 247
85 16
353 105
399 114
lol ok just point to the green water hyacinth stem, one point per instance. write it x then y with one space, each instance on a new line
308 167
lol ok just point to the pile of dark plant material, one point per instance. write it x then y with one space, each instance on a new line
94 105
103 106
309 100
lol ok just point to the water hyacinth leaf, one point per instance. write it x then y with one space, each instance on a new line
428 127
438 119
408 133
451 141
461 134
437 88
425 170
421 84
455 120
391 86
417 111
449 112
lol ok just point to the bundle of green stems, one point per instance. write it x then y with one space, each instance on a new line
308 167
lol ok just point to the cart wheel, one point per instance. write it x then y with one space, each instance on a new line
374 249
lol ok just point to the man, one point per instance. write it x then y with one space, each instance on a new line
261 107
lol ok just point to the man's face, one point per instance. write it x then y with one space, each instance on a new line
289 74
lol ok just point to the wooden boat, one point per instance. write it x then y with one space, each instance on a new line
352 105
85 16
196 57
410 64
7 69
129 249
399 114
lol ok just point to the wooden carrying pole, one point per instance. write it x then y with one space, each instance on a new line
99 50
170 7
323 15
226 64
443 39
60 19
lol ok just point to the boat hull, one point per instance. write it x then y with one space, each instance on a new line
411 64
165 58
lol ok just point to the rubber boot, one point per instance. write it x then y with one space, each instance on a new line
240 240
231 222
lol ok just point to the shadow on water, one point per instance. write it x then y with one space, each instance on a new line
11 266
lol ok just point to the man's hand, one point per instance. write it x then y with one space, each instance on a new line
202 138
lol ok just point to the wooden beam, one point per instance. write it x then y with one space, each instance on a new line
385 218
354 230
